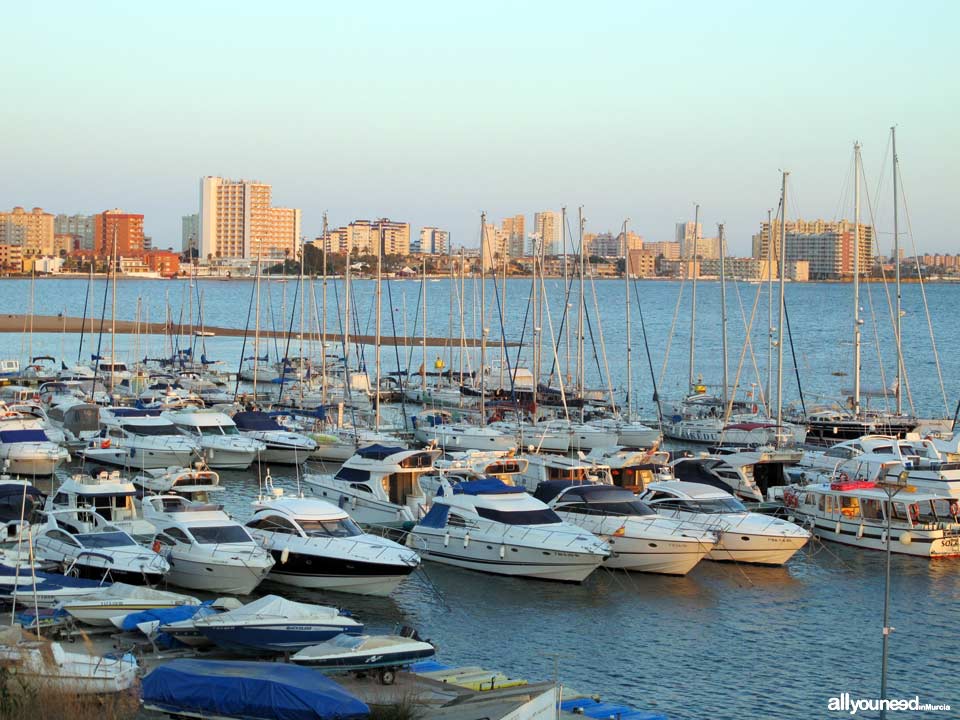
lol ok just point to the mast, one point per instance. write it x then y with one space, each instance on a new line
580 319
303 301
484 251
693 301
423 363
113 316
323 310
463 331
856 279
782 303
626 290
767 395
566 300
346 325
896 262
256 331
536 328
723 313
378 310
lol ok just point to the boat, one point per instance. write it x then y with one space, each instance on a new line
274 624
364 652
193 483
541 468
88 546
744 536
119 600
863 514
107 493
221 442
533 437
316 545
135 438
42 665
78 420
630 433
30 586
473 465
582 436
438 427
632 468
489 526
25 448
247 691
753 474
282 446
379 485
206 549
641 540
19 499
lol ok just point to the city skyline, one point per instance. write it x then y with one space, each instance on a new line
686 112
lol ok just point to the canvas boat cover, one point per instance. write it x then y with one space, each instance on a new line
252 420
237 689
163 616
272 607
123 591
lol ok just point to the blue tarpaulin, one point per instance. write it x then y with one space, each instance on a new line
378 452
485 486
18 436
255 421
271 691
161 615
436 517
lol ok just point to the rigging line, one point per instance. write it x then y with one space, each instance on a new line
673 327
243 347
346 361
563 321
793 354
523 331
416 316
396 352
273 319
923 293
748 331
555 347
728 410
842 200
646 347
103 316
503 337
603 345
286 350
86 300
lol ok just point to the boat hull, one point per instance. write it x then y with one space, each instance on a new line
918 543
742 547
340 574
214 576
275 637
665 558
221 459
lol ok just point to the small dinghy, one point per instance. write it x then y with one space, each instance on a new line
51 588
363 652
275 624
119 600
248 690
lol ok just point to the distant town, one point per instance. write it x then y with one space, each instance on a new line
237 229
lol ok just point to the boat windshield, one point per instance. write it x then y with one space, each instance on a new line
216 534
219 430
545 516
629 507
344 527
715 505
151 430
105 540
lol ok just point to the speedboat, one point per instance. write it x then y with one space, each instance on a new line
275 624
78 420
206 549
861 513
282 446
119 600
378 486
641 540
437 426
754 474
363 652
90 547
107 493
29 587
25 448
193 483
542 468
316 545
492 527
473 465
223 446
140 439
745 536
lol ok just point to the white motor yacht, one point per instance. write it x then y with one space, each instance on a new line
438 427
541 468
316 545
378 486
472 465
632 468
745 536
25 448
492 527
754 474
193 483
282 446
630 433
78 420
142 439
206 549
223 446
583 436
641 540
109 494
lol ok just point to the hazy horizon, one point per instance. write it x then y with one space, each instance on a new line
432 113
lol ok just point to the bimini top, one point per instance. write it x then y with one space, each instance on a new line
251 420
19 436
549 489
484 486
230 688
379 452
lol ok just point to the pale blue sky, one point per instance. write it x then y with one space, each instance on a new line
432 112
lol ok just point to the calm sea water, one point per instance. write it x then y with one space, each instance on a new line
726 641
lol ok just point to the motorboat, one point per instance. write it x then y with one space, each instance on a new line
438 427
630 433
489 526
340 444
632 468
316 545
282 446
379 485
534 437
243 690
745 536
641 540
88 546
19 499
472 465
223 446
865 514
753 474
135 438
205 548
541 468
583 436
274 624
833 424
25 448
107 493
706 419
45 666
28 586
112 371
78 420
119 600
193 483
184 631
364 652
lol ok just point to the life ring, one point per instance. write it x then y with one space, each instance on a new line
105 444
915 513
955 509
156 547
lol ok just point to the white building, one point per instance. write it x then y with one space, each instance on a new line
433 241
548 226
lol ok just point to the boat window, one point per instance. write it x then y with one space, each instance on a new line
105 540
634 507
211 430
655 495
115 433
821 503
871 509
419 460
61 499
63 537
352 474
456 521
883 450
546 516
273 523
362 488
343 527
716 505
809 499
151 430
165 540
213 535
230 430
849 506
178 535
828 503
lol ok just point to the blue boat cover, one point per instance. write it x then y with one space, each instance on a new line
48 579
436 517
16 490
588 707
240 689
161 615
18 436
485 486
378 452
250 420
133 412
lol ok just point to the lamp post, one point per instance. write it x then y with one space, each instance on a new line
891 489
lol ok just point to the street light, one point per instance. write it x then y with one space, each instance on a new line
890 489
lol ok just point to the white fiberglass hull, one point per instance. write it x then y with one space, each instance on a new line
219 458
374 586
32 458
737 546
140 459
665 557
904 541
232 578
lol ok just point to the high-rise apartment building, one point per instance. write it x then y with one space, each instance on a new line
494 246
547 227
361 237
691 237
32 231
827 245
668 250
80 226
433 241
190 232
237 221
513 229
120 231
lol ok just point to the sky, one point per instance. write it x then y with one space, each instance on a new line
432 112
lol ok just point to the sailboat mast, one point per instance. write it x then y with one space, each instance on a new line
782 301
566 325
113 315
693 299
896 263
346 325
626 291
580 312
303 302
723 314
423 363
484 252
378 310
323 310
856 279
256 331
768 395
